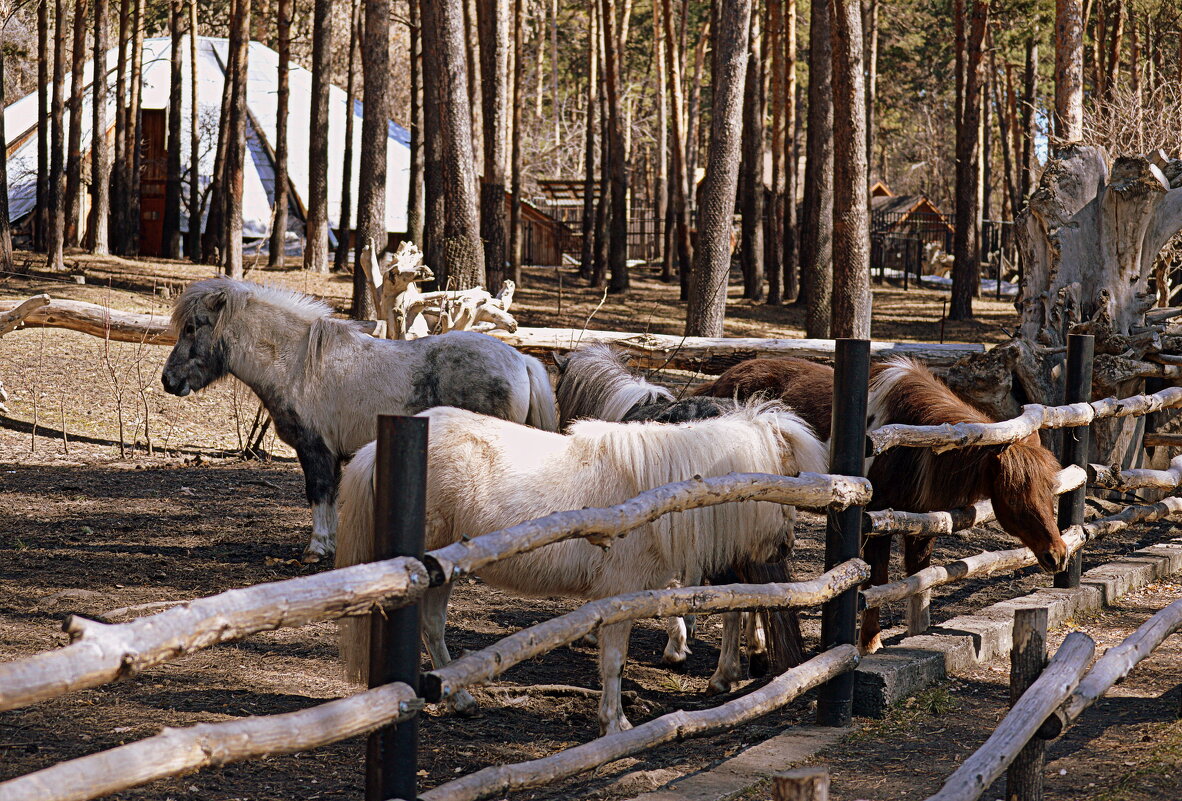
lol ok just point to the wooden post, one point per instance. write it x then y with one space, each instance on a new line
843 533
400 521
1027 660
1080 349
801 784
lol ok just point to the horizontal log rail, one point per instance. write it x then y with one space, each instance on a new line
988 762
1113 667
992 562
485 664
1034 417
175 752
679 725
1112 477
1153 439
936 524
102 652
601 526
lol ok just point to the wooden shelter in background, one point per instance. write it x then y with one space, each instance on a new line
562 199
901 228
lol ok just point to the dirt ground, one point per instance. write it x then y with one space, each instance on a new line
114 494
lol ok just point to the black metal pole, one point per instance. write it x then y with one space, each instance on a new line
400 519
843 533
1080 348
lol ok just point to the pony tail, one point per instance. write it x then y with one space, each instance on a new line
810 454
354 547
542 406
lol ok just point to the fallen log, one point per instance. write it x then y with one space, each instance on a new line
99 321
1112 477
1034 417
485 664
988 762
16 315
937 524
991 562
175 752
714 356
602 526
502 779
100 652
1113 667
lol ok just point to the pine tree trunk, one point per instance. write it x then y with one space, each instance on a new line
494 67
277 248
172 181
194 242
434 204
751 186
712 257
618 158
587 254
966 271
236 139
1029 169
851 217
816 246
5 227
515 148
663 220
463 254
1068 118
345 223
74 142
414 202
57 173
100 163
774 216
133 152
316 227
1113 60
371 188
678 166
41 215
472 63
212 243
791 155
870 54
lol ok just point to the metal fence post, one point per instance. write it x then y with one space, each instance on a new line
843 533
400 516
1080 349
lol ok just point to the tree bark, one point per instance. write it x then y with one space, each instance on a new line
1029 170
587 253
1068 118
515 148
194 242
5 227
236 139
791 281
660 195
172 182
966 271
277 247
73 233
679 167
212 242
57 175
751 184
41 213
345 223
462 251
434 205
617 154
133 153
371 194
494 67
816 246
414 202
870 66
707 303
316 227
100 166
774 218
851 216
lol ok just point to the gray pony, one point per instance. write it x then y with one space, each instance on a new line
324 381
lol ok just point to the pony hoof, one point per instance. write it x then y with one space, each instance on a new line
614 726
311 557
589 640
760 665
718 686
464 705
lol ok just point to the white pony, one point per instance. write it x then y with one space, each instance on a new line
324 381
486 474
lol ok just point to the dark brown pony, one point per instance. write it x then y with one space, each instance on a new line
1019 478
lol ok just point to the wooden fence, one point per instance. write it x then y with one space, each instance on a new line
101 653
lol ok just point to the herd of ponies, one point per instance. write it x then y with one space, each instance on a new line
506 447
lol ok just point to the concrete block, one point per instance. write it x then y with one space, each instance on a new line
895 673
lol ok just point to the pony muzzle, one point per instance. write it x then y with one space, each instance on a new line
1053 562
179 388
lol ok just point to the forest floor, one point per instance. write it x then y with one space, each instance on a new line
115 494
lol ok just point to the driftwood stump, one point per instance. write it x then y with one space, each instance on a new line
1089 239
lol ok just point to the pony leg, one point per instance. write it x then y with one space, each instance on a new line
322 472
917 554
729 670
758 661
613 652
877 553
676 649
433 618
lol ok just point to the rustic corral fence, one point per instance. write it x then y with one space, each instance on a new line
100 653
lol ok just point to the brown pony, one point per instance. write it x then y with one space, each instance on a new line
1019 478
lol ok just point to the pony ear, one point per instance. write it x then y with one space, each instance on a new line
215 300
561 361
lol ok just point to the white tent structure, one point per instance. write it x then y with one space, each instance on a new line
21 120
